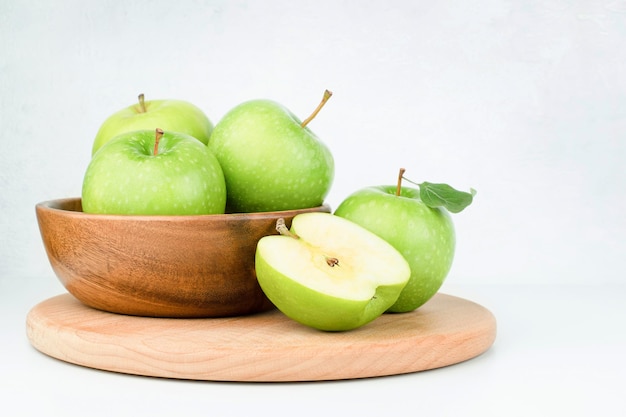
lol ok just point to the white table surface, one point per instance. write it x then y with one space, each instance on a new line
560 351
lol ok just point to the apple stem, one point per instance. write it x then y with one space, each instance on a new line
399 186
157 138
281 228
327 95
142 103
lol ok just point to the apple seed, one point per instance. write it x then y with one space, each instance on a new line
332 262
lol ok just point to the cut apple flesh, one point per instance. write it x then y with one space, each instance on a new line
332 269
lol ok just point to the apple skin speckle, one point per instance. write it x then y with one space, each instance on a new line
425 236
269 161
184 178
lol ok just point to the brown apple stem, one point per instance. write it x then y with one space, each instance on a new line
327 95
157 138
142 103
399 186
282 228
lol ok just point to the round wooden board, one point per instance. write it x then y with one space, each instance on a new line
263 347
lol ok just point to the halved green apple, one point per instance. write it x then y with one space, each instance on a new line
330 273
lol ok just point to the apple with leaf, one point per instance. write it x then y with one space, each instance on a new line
417 223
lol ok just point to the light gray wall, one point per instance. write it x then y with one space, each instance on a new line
523 100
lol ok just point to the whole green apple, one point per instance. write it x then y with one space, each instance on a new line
271 160
169 115
329 273
415 222
144 172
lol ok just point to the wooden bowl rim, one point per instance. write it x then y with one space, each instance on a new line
56 206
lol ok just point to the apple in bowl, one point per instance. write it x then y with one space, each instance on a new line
173 115
271 160
154 172
150 236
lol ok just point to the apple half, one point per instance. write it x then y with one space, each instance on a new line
329 273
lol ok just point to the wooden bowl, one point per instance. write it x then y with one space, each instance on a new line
159 266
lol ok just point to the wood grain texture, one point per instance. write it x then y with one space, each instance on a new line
262 347
159 266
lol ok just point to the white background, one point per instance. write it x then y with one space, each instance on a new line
525 101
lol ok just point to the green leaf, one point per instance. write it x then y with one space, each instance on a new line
443 195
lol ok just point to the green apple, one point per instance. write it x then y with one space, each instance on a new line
169 115
415 222
329 273
144 172
271 160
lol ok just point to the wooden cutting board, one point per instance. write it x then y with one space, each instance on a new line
263 347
